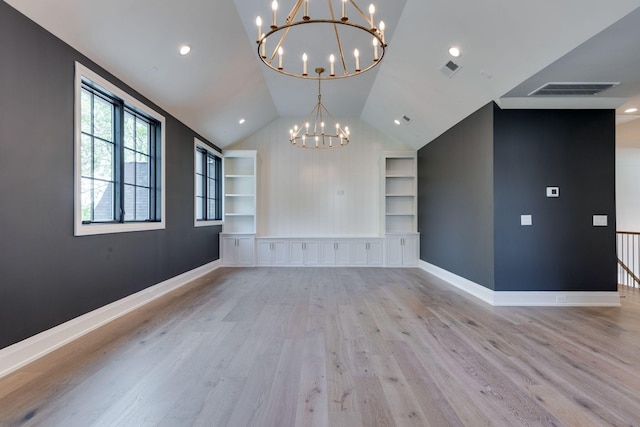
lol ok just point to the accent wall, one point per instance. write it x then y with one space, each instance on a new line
47 275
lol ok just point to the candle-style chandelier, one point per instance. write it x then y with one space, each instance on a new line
314 133
322 39
274 42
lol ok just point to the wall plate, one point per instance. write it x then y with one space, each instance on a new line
553 191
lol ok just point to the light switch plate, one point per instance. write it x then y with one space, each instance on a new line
599 220
526 220
553 191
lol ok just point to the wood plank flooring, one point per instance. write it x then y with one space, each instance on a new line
338 347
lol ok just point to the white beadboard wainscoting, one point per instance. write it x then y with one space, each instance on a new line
315 193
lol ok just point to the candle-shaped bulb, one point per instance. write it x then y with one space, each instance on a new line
304 140
332 59
295 128
317 138
375 48
306 125
274 8
304 64
381 26
356 53
259 24
280 52
337 127
322 127
372 10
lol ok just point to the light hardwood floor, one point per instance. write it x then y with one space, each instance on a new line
338 347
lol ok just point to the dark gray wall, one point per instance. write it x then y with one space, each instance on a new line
455 199
48 276
561 251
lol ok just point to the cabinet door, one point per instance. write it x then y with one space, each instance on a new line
394 251
343 253
245 248
228 250
359 253
328 253
280 255
296 249
410 251
264 252
311 253
375 253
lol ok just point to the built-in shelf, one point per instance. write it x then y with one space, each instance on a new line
239 204
400 192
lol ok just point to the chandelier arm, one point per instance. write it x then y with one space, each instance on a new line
364 16
275 51
294 12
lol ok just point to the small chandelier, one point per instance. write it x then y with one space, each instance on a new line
333 26
318 134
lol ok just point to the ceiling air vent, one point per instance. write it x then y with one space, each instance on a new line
450 68
572 89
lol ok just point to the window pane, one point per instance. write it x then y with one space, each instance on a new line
129 167
85 111
142 204
86 156
102 119
211 209
211 166
211 189
103 160
129 133
103 201
129 203
200 186
199 157
86 197
142 136
199 211
142 170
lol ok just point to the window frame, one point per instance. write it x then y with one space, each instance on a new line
85 229
198 144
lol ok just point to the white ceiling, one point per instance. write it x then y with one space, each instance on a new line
223 80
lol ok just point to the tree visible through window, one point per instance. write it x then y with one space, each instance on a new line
118 160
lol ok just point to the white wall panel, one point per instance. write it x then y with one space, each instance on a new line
298 189
628 189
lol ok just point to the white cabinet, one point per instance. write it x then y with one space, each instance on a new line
237 250
239 188
336 252
367 252
400 192
403 250
303 252
273 252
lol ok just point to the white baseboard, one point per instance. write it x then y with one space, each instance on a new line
525 298
26 351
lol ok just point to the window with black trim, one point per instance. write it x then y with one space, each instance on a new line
208 186
119 151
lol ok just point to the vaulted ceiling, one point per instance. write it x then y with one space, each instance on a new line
507 47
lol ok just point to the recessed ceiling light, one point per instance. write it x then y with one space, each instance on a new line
454 51
396 121
631 110
241 121
185 49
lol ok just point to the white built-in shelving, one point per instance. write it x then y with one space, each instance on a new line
400 192
239 192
